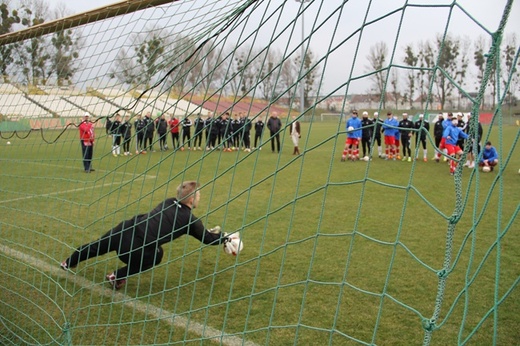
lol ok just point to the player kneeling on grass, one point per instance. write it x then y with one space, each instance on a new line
138 241
489 158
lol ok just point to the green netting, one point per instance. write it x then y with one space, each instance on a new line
340 253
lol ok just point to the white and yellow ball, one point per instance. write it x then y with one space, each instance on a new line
486 169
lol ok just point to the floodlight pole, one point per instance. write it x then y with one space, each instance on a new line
302 82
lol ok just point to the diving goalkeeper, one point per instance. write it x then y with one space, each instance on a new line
138 240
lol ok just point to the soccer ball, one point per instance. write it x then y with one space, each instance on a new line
234 245
486 169
8 143
366 158
350 128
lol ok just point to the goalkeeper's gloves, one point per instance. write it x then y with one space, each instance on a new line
214 230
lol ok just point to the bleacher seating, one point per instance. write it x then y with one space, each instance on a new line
69 105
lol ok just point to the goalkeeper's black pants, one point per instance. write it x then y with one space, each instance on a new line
130 250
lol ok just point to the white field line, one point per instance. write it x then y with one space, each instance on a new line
79 168
146 176
165 316
62 192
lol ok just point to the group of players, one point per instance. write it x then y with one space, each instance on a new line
221 132
451 135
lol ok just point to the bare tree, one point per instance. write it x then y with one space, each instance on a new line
394 82
462 68
448 50
66 45
511 73
149 52
411 59
480 61
207 69
270 73
377 63
126 70
425 76
288 78
33 55
9 17
243 70
309 71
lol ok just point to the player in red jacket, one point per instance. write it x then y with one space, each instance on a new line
86 137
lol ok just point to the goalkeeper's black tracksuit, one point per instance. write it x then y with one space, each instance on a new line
138 241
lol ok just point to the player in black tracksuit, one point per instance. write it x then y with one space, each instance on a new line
378 124
405 125
438 129
366 134
138 240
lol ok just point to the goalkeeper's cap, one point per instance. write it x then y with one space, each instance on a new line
186 189
87 114
365 114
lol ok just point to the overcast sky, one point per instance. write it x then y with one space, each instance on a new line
415 24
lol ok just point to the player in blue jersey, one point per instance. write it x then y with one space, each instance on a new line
353 127
452 135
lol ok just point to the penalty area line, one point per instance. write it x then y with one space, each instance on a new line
163 315
62 192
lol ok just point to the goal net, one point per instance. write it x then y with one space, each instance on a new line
335 252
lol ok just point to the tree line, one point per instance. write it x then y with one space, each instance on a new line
187 65
43 59
461 65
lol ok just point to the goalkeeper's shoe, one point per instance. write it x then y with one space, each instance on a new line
64 265
116 284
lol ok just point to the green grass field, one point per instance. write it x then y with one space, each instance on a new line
338 253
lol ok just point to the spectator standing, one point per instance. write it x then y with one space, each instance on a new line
295 135
161 126
86 138
274 125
